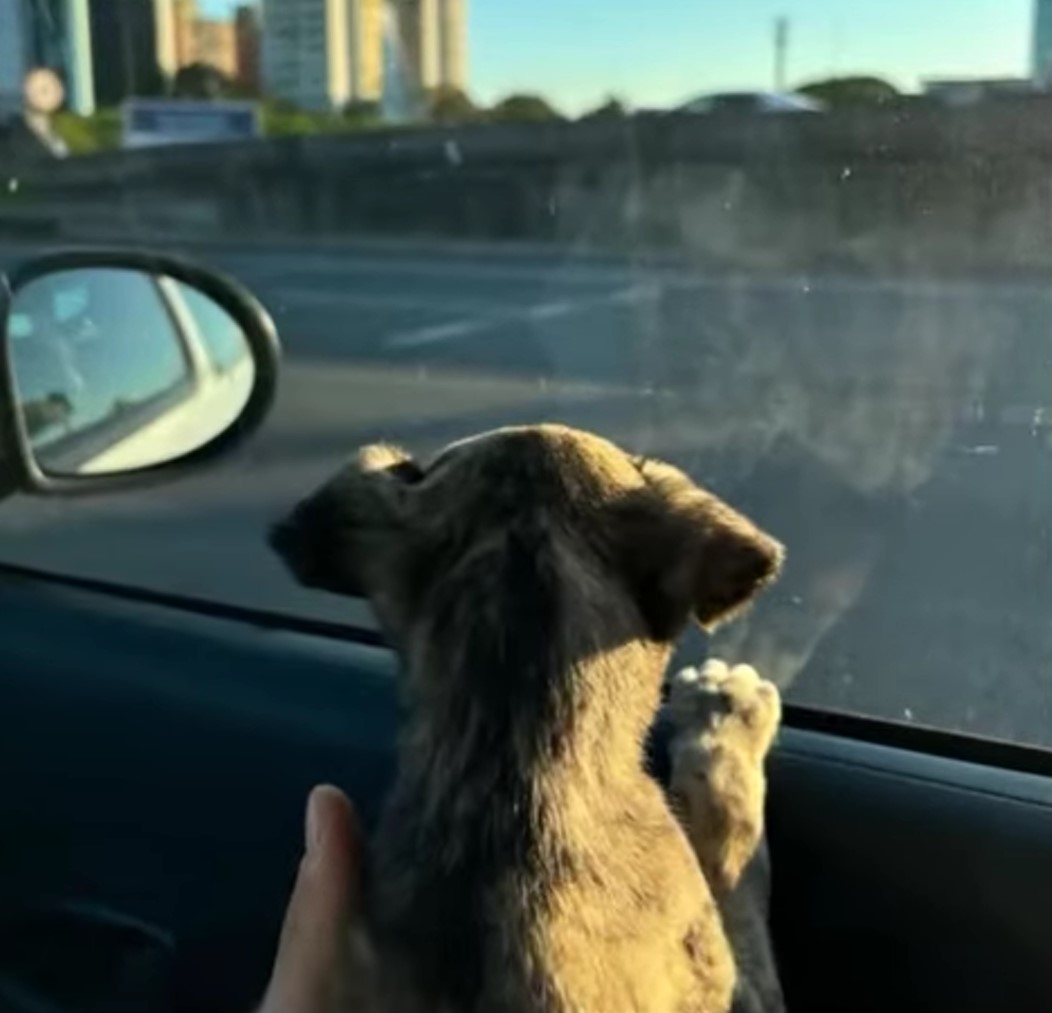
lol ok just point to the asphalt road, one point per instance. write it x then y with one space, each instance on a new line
890 433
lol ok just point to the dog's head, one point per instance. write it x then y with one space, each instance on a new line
540 507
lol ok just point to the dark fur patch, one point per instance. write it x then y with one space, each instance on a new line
491 725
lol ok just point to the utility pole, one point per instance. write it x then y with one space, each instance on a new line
781 52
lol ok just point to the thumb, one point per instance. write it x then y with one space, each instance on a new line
312 964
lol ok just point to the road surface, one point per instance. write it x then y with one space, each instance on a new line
890 433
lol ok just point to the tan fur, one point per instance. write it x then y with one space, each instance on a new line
533 581
724 722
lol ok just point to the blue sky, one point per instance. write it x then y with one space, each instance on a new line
656 52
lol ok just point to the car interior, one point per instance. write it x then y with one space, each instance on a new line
830 305
157 750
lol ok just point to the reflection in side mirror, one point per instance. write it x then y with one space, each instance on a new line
116 367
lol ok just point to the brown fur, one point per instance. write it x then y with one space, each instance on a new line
533 581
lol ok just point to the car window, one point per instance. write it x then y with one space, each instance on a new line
467 215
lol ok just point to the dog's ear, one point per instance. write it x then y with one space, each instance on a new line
389 464
685 552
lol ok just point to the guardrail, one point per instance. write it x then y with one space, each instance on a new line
911 188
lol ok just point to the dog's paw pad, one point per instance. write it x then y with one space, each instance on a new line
717 698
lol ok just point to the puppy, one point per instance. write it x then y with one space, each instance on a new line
533 581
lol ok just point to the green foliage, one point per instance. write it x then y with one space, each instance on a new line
362 114
524 108
612 109
450 105
278 119
85 135
44 413
102 132
202 81
282 119
838 92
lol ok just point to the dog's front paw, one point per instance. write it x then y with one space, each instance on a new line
724 721
717 704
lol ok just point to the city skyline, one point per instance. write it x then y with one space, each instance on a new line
578 52
185 34
683 47
326 54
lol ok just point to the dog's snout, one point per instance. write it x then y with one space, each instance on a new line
283 538
292 540
302 546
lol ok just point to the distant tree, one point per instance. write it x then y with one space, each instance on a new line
362 114
150 82
45 412
447 104
201 81
852 91
280 106
612 109
524 109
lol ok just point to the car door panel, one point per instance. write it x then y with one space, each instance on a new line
906 881
154 764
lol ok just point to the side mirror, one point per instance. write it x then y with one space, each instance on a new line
121 368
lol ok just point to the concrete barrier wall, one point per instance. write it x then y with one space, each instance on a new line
915 188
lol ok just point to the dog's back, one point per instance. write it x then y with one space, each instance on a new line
533 581
574 890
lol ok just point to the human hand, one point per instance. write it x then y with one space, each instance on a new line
318 968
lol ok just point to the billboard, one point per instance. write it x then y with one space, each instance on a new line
153 122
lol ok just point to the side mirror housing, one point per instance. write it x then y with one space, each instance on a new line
120 369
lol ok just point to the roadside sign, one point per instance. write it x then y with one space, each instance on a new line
152 122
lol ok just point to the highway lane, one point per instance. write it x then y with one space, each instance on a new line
890 433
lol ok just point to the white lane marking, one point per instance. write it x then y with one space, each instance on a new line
551 310
320 297
439 333
470 327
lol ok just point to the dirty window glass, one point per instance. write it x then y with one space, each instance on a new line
800 251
